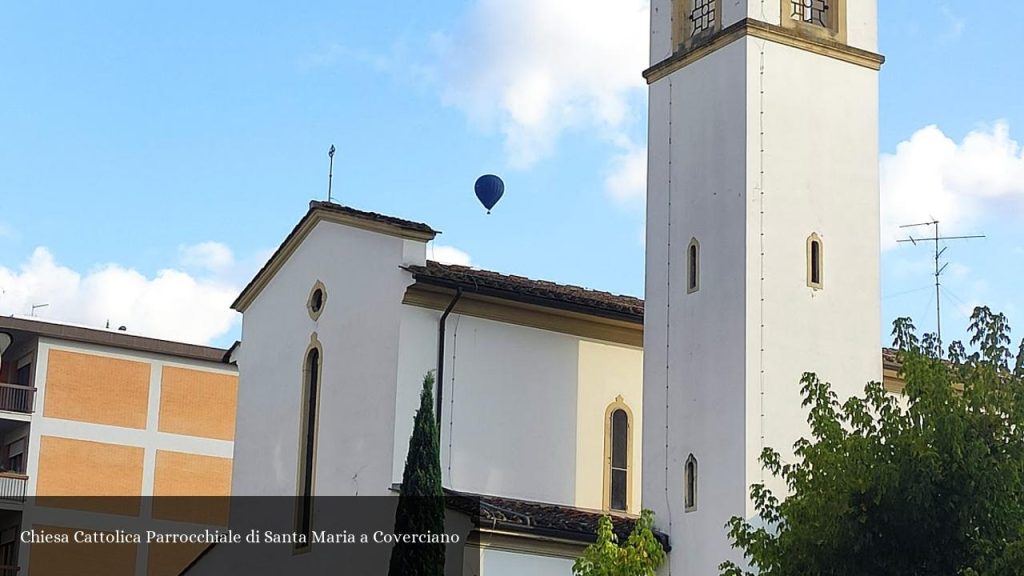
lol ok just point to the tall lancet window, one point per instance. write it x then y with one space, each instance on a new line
693 266
815 262
307 441
690 488
618 453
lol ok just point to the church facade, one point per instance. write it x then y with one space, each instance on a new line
559 403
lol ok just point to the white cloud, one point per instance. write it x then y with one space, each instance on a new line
210 256
627 182
932 176
535 68
450 255
173 304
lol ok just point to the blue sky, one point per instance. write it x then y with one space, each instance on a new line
152 155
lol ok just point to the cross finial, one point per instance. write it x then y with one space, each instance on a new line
330 173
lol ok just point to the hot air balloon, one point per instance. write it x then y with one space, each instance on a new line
489 189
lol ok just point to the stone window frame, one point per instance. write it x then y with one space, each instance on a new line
618 405
693 266
835 30
309 437
682 26
312 307
690 476
818 282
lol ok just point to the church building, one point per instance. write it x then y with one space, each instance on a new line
558 403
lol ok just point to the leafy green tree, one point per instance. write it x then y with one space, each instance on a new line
930 345
421 502
991 334
639 556
903 334
957 352
927 484
1018 368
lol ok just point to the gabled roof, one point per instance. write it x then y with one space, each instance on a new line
331 212
397 223
539 292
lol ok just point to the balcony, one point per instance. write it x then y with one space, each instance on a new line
12 489
15 398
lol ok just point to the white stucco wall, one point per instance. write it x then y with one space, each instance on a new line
524 408
502 563
512 393
821 176
359 332
695 350
722 366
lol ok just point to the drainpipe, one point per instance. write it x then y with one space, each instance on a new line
440 355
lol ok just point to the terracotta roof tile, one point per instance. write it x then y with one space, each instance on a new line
534 291
382 218
541 518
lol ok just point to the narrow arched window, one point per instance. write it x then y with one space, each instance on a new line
815 261
307 439
693 266
618 456
690 488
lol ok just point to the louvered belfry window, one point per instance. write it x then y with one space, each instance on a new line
816 12
702 17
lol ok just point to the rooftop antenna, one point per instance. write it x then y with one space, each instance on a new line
36 307
330 174
939 266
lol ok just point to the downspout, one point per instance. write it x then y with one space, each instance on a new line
440 356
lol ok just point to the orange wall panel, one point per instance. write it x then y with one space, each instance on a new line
197 403
60 559
194 476
81 468
97 389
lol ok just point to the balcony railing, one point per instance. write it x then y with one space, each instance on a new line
9 570
14 398
12 489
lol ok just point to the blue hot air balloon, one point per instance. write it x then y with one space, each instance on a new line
489 189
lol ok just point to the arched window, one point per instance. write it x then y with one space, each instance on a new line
690 488
618 456
311 373
693 266
815 262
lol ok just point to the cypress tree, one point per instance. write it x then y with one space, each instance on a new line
421 502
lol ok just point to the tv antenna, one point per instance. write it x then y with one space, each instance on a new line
330 173
939 267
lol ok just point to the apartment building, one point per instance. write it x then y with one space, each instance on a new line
103 413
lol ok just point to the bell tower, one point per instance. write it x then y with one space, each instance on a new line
762 246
